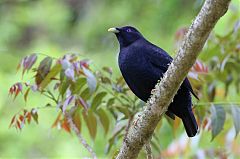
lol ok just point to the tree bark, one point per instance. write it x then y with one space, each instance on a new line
141 132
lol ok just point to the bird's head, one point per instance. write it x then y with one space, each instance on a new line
126 35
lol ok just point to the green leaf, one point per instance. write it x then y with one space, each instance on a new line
63 86
124 110
34 115
236 118
62 75
169 120
97 100
211 91
218 117
26 94
110 102
91 122
116 152
53 72
103 119
108 70
43 69
85 94
106 80
78 85
77 120
81 102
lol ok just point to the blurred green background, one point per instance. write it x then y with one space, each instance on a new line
57 27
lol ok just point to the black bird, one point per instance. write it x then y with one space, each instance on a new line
142 64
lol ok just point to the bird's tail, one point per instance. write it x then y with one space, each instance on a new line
190 124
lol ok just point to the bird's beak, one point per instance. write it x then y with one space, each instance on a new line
113 30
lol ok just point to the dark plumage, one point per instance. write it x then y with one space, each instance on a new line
142 64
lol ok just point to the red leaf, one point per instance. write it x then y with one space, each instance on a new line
29 117
16 93
65 125
84 63
57 120
180 33
197 69
200 67
13 119
206 124
15 89
21 118
18 125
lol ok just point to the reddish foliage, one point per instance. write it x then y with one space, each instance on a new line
13 119
84 63
180 33
199 67
18 125
19 119
57 120
29 117
15 89
62 121
65 125
27 63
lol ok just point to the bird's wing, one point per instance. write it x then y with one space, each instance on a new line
160 59
187 84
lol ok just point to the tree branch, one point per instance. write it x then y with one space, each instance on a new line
148 150
77 132
128 126
141 133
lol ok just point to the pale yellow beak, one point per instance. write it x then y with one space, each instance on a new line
113 30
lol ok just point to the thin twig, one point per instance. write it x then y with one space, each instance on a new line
110 92
53 97
128 126
50 96
78 133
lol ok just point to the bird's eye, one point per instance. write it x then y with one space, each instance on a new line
129 30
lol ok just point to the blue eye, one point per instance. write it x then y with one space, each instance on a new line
129 30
